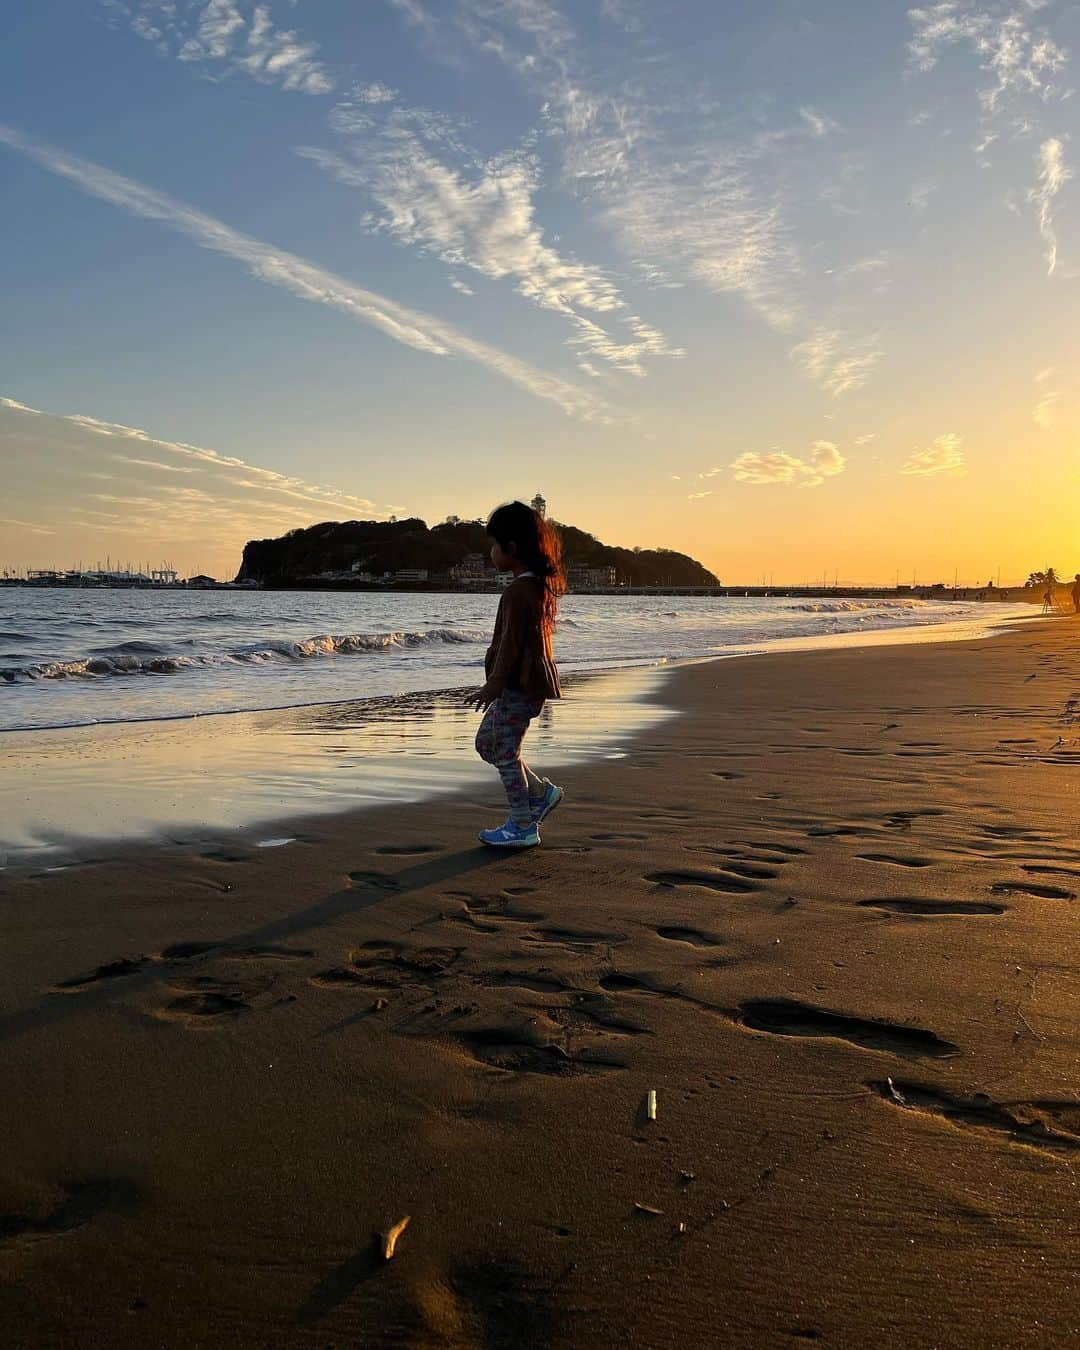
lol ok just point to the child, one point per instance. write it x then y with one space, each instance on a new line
520 667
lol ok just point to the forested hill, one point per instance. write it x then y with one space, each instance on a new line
387 547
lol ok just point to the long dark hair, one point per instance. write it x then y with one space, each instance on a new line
519 529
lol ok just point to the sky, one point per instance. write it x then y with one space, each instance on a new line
790 287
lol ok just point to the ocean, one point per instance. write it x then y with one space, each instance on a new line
206 718
82 657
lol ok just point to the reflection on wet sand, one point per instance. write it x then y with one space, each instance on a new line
73 791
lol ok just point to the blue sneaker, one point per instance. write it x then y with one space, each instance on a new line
548 802
511 836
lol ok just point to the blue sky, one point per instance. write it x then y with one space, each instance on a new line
790 286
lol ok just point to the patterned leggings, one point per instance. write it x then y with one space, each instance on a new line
498 742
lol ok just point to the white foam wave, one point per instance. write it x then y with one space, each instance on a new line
152 661
852 606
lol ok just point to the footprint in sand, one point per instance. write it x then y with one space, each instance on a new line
179 952
895 860
620 982
187 951
1014 832
112 970
931 907
690 936
1050 1126
597 1013
574 940
378 881
203 999
536 982
271 952
724 881
746 865
787 1017
903 820
505 1048
487 912
389 965
81 1202
793 850
204 1008
1032 888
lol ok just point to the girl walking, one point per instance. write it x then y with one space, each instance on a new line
520 667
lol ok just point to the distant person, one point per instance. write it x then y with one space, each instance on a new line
1048 600
1075 593
520 667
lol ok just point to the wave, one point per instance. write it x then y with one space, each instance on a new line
851 606
148 658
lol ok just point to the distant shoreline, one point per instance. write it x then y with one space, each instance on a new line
1003 594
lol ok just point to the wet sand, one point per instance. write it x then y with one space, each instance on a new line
829 914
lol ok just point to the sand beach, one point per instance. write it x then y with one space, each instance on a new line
827 914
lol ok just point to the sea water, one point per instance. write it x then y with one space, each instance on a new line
193 717
78 657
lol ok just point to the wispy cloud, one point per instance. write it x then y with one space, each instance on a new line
480 214
702 215
1019 57
777 467
1044 414
818 123
374 92
27 525
304 279
680 190
223 501
835 362
153 464
942 456
1026 66
241 37
1052 177
232 469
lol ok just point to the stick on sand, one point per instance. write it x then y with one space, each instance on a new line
390 1237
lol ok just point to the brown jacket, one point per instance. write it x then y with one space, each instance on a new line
520 655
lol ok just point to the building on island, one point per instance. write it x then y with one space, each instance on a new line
411 574
471 568
590 578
